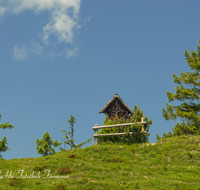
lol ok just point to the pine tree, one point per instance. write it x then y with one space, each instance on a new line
4 141
44 146
188 92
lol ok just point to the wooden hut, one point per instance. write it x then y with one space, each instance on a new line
116 107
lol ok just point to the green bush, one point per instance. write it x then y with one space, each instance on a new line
127 138
168 135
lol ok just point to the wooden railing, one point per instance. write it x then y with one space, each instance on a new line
96 135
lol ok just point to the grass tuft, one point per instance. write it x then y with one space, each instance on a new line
118 160
60 187
38 168
65 170
14 182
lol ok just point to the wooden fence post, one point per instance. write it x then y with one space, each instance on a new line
96 133
142 124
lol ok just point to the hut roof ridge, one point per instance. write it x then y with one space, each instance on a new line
116 96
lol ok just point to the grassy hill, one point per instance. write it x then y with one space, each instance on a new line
173 163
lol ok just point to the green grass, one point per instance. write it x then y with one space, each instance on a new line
173 163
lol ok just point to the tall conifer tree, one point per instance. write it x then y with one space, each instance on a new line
188 92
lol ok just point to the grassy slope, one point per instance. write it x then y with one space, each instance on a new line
173 164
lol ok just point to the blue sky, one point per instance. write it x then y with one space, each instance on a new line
70 57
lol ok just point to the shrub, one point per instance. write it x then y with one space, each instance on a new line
127 138
157 137
168 135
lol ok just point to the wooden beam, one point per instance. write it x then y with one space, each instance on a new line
131 133
142 124
117 125
96 135
107 114
116 103
115 110
125 115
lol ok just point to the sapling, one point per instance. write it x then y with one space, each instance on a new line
67 137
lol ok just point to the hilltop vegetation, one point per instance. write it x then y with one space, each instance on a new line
130 139
120 162
171 163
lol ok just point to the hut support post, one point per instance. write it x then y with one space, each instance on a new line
96 133
142 124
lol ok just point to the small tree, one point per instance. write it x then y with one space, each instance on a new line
44 146
72 141
72 121
4 141
189 109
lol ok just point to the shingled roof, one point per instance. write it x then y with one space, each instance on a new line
113 99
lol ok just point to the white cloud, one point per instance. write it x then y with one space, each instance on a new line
63 21
71 53
87 19
36 48
2 10
62 25
20 53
